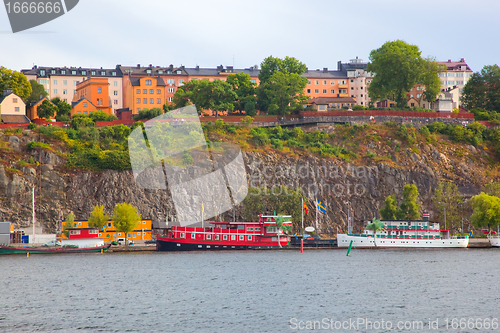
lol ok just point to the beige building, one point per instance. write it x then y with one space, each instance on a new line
62 81
12 108
456 76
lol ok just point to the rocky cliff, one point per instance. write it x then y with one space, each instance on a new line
363 185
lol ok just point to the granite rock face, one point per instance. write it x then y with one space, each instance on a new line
337 183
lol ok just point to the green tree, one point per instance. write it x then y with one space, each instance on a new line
291 70
68 224
397 67
284 92
486 211
244 89
492 189
446 196
375 226
37 92
16 81
482 90
46 110
63 109
125 219
409 209
280 220
97 218
390 210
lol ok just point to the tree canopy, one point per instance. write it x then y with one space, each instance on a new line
37 92
97 218
281 86
46 110
16 81
125 218
408 210
482 91
446 196
486 210
397 67
68 224
63 109
244 88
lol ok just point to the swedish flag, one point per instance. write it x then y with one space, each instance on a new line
320 206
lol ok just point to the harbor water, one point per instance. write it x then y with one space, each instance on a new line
253 291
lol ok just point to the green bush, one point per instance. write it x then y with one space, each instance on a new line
259 137
277 143
36 144
187 159
425 131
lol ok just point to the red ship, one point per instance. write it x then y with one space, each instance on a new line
225 236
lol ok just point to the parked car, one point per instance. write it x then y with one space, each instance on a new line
52 243
121 241
150 241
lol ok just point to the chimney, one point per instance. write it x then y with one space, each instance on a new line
462 60
197 67
307 70
150 65
325 70
449 60
138 65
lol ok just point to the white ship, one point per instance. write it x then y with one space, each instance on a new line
494 240
405 234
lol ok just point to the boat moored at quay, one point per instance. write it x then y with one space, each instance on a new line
225 236
405 234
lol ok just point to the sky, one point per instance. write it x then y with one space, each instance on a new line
208 33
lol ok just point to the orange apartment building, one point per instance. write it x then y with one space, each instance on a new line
141 232
94 90
144 93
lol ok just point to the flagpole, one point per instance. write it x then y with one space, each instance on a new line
202 213
302 215
317 213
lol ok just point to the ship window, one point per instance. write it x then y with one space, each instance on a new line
193 236
233 237
242 238
93 232
74 232
250 228
209 236
257 228
134 235
249 238
224 237
241 226
216 237
182 235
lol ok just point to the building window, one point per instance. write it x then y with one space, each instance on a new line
75 82
170 99
145 100
97 101
115 101
99 90
14 100
93 73
144 91
65 82
43 81
171 90
181 82
352 88
179 72
138 101
316 82
85 112
115 92
42 72
138 109
85 104
332 82
53 71
158 91
84 72
54 81
63 72
160 71
103 73
55 91
324 91
171 81
115 83
253 81
151 91
65 92
148 82
158 100
138 91
308 91
73 72
316 91
332 91
151 100
113 73
78 111
16 108
324 82
308 81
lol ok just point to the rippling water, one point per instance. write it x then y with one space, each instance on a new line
246 291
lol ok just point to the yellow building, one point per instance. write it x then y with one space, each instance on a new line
141 232
144 93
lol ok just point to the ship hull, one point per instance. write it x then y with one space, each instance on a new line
41 250
167 244
344 240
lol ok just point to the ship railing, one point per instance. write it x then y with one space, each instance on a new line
459 237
